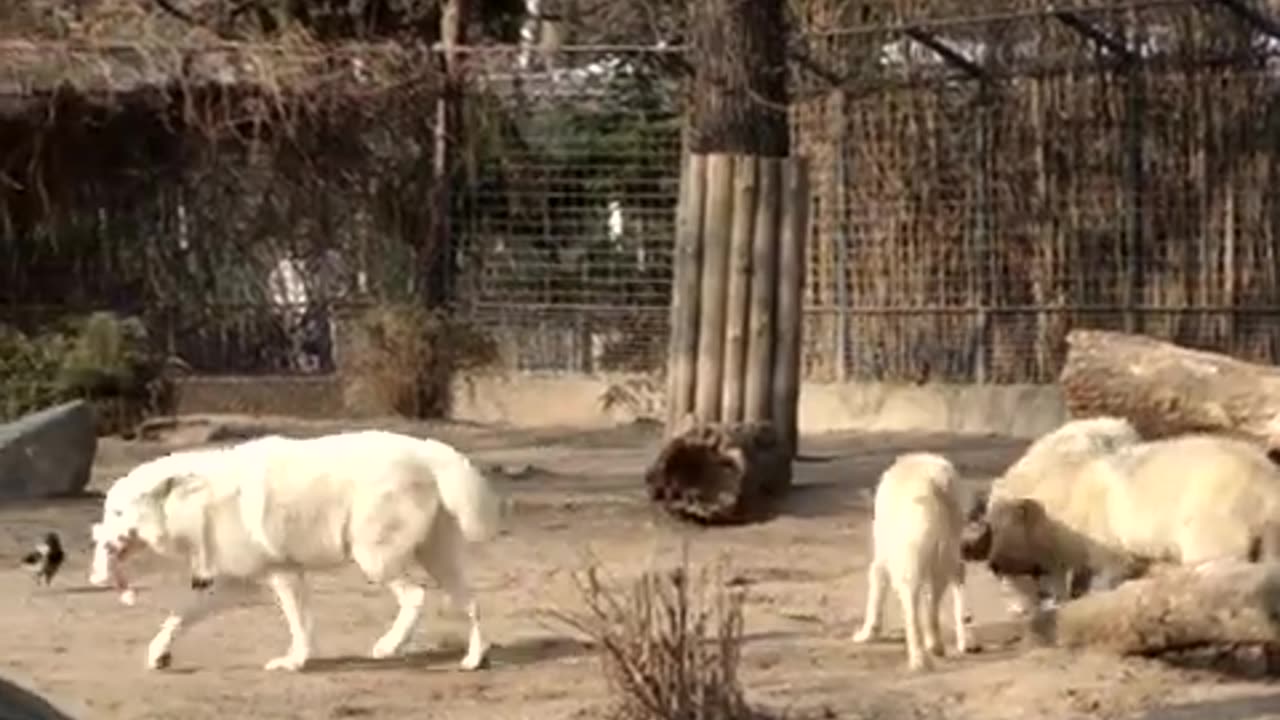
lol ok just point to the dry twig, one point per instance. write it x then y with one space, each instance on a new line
670 644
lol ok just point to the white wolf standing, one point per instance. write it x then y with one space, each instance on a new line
274 507
916 533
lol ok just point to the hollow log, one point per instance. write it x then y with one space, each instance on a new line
720 473
1224 605
1165 389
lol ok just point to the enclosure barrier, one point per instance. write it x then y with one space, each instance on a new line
736 303
734 354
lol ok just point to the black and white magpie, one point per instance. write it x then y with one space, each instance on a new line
45 560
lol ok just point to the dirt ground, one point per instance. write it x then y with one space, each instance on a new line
576 495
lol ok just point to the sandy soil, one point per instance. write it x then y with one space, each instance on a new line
577 495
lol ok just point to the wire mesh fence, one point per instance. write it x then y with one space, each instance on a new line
988 183
226 199
565 217
982 182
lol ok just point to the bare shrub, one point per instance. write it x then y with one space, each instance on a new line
642 397
670 644
400 359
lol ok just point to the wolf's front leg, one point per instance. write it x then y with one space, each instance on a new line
291 593
204 601
202 571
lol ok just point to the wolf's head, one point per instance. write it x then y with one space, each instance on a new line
105 566
136 513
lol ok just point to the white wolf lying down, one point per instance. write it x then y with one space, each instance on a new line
1047 473
273 507
1185 500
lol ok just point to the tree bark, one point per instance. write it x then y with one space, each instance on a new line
739 102
758 393
1165 390
454 16
1223 606
720 474
686 286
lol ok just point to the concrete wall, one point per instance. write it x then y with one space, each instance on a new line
1014 410
305 397
522 400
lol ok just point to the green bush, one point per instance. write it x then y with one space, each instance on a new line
109 355
29 368
99 357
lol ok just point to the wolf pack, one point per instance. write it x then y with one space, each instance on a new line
1085 508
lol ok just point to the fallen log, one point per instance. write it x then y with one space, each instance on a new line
720 474
1165 389
1226 605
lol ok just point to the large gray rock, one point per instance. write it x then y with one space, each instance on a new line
19 703
48 453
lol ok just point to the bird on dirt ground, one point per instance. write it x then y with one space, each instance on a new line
45 560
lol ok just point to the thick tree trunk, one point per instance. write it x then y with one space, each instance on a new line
730 472
1164 389
720 474
1225 606
740 84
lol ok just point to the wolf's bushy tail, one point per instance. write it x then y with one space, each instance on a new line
471 499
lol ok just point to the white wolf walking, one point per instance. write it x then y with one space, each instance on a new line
273 507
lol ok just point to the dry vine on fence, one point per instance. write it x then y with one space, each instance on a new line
1078 163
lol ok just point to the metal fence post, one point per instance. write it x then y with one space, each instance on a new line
983 275
1134 185
842 246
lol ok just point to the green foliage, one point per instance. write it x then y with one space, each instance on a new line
35 357
29 369
543 169
97 356
109 355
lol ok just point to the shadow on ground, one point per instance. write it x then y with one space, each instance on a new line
1246 708
518 653
18 703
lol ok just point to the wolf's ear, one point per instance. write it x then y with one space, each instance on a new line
1030 510
162 489
171 485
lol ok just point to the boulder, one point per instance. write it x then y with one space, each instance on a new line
48 453
19 703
